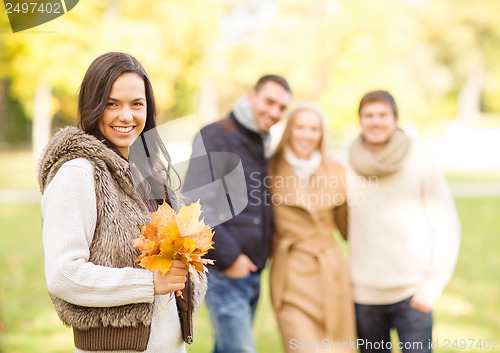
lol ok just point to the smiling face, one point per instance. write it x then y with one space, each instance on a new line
268 104
305 134
125 114
378 124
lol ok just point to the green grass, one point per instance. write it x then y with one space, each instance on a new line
266 329
468 309
18 170
31 323
25 308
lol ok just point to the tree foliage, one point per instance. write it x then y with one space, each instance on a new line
332 51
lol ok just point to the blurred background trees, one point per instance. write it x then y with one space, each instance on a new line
439 58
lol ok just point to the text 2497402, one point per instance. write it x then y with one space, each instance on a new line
33 7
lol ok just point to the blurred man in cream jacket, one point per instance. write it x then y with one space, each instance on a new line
404 232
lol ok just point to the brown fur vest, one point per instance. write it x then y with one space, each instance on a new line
119 212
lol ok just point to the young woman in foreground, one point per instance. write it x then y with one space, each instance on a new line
91 212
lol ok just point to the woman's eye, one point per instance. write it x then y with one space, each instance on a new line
111 104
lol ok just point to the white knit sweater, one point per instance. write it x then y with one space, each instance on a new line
69 213
404 233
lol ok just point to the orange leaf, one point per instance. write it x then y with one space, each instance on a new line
164 215
157 262
203 239
150 232
170 236
168 248
171 230
198 266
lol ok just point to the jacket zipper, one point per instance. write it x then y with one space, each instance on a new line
189 337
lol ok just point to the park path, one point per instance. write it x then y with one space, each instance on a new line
486 189
20 196
481 189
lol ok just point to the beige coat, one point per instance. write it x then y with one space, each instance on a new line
310 286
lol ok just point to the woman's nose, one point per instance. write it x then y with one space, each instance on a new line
126 114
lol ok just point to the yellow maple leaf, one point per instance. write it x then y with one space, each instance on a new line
203 239
161 262
187 219
175 236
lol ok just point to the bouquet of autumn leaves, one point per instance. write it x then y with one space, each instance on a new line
173 236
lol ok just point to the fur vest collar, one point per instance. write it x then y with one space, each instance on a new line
112 244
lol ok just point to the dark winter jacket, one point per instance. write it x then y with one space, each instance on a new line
228 172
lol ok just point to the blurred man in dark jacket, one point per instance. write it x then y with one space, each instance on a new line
228 173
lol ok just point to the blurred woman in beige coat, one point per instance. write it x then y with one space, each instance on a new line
310 285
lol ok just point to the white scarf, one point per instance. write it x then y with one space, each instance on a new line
303 168
244 114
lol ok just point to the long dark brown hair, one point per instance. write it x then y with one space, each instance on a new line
145 152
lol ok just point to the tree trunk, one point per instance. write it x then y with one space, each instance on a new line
207 106
41 119
3 109
469 99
